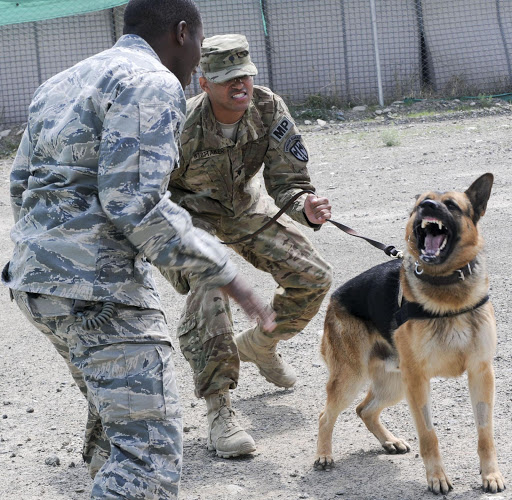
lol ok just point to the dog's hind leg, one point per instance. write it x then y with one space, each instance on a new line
345 344
342 388
386 390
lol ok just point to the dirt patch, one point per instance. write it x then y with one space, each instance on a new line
371 171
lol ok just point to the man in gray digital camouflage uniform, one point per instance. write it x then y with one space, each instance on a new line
92 212
232 129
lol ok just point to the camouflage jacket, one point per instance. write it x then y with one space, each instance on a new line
89 184
217 177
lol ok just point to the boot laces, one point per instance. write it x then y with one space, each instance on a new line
228 417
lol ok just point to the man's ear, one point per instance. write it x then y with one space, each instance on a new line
203 83
181 32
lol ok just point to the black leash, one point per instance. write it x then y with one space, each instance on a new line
389 250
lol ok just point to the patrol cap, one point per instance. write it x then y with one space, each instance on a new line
224 57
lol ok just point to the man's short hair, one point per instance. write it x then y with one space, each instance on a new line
151 19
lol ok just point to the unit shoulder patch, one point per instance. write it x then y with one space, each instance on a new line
294 146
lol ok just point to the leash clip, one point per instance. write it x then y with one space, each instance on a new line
391 251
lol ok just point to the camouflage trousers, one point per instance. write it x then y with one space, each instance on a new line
205 330
133 440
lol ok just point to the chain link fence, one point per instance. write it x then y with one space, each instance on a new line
342 52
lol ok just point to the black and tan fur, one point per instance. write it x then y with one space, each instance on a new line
361 343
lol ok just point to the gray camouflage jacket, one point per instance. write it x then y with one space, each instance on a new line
217 177
88 184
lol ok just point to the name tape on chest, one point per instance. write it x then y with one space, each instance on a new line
282 128
203 155
294 146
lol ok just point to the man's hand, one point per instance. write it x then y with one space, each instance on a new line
240 291
317 210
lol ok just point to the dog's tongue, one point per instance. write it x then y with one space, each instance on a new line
432 243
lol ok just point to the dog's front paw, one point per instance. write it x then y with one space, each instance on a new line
324 463
439 482
493 482
398 445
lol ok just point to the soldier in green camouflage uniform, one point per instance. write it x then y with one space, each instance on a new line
232 129
92 211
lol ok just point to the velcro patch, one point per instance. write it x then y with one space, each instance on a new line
202 155
282 128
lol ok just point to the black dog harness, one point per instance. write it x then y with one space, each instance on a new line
412 310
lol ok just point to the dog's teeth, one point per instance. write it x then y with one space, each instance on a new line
424 224
423 251
440 224
443 244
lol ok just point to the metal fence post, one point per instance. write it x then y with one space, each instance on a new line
376 47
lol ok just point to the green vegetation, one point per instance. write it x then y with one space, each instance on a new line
390 138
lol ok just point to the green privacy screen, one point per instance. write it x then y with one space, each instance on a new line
23 11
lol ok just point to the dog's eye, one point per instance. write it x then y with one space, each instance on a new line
452 206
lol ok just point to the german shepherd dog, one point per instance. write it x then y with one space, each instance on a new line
401 323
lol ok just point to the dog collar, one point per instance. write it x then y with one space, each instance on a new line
413 310
455 277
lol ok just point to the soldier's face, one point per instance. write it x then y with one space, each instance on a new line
229 99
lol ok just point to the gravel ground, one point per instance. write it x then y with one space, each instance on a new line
371 187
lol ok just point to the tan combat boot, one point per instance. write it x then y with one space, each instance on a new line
224 434
254 346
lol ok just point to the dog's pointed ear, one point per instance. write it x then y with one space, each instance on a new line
478 194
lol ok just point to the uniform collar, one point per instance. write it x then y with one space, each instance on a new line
136 43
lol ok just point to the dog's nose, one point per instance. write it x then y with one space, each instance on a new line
429 204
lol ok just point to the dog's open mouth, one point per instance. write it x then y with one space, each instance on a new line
433 238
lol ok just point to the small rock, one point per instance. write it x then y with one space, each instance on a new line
72 465
186 429
322 123
193 404
307 122
5 133
30 410
4 416
52 460
359 108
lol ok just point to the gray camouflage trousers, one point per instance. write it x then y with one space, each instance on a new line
205 330
133 440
